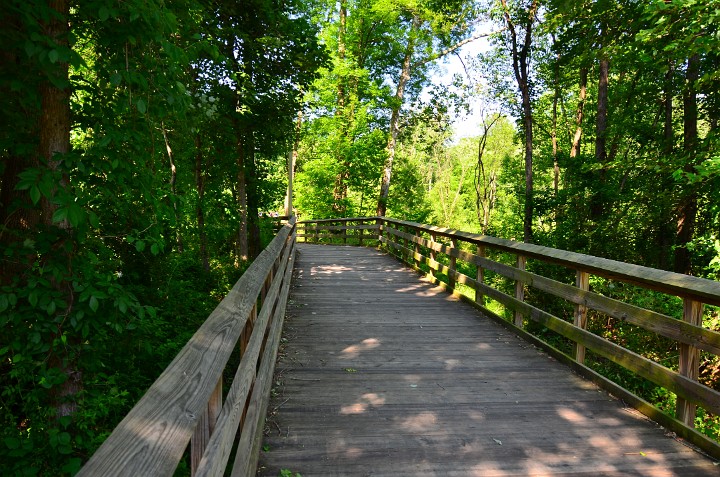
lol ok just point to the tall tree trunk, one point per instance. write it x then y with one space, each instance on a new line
340 189
582 94
292 160
254 242
687 210
556 95
602 110
668 133
597 202
395 117
241 188
521 68
54 127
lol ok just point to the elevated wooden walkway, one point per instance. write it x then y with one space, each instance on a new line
382 373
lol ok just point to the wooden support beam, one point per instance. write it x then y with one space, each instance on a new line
689 365
433 253
453 264
205 428
519 290
582 281
480 276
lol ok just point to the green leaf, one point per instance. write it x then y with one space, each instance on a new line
12 442
93 303
60 215
35 194
94 220
64 438
33 298
53 56
75 214
154 249
103 14
141 106
4 303
115 79
140 245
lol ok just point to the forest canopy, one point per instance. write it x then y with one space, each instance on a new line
144 144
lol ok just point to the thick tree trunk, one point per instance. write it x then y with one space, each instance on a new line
395 118
54 143
582 94
687 209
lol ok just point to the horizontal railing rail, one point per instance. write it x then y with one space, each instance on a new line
185 404
352 230
446 251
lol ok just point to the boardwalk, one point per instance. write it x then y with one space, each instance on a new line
384 374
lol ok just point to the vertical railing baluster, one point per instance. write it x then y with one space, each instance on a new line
582 281
519 290
689 365
416 247
433 253
452 264
205 427
480 277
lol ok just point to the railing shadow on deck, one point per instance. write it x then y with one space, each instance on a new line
440 251
184 405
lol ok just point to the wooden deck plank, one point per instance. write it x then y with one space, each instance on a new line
384 374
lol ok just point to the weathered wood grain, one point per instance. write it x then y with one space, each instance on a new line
687 388
706 291
152 438
684 332
217 453
393 376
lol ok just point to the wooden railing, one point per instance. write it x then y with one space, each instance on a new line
185 403
354 231
444 251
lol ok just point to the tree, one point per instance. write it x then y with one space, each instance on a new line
520 20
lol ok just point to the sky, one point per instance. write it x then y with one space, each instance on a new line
464 125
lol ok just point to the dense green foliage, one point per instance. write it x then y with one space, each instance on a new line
141 141
136 136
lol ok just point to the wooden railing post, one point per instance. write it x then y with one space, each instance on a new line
452 265
433 253
582 281
520 290
205 427
360 232
379 222
345 232
416 247
689 365
317 232
480 277
406 252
